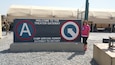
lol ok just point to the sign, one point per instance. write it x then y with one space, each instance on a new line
45 30
24 30
70 31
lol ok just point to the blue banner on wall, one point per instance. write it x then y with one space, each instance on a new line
45 30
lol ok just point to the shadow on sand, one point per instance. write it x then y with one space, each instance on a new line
93 62
76 53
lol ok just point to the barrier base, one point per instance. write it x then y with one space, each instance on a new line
22 47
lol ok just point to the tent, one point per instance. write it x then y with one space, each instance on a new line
100 15
37 12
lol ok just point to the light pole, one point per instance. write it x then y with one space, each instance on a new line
86 10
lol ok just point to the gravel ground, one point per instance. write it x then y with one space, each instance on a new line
49 58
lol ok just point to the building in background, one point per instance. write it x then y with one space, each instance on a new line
0 27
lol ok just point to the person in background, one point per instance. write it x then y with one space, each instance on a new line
85 33
7 27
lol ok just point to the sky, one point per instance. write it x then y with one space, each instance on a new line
93 4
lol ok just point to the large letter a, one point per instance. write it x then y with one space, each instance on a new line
25 31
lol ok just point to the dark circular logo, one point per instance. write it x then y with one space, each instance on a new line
29 26
70 30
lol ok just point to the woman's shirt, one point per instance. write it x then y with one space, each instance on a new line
85 31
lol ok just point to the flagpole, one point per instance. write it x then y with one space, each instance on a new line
86 10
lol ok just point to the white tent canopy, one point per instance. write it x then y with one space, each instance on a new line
36 12
40 12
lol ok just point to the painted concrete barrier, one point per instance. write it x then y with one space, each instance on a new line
103 55
46 34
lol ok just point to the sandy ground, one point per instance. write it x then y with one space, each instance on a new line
49 58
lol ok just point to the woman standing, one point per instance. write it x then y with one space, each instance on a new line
85 33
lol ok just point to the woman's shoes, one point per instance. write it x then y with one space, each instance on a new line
85 47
